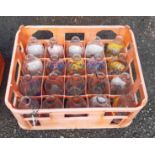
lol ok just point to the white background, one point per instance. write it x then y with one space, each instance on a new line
77 146
77 7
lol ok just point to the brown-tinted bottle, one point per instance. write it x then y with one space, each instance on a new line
75 85
52 102
124 101
97 84
54 84
76 102
28 103
30 86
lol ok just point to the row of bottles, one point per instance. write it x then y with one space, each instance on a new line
36 48
76 102
96 48
34 66
75 85
75 63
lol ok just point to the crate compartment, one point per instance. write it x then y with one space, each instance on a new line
53 85
30 87
75 85
87 117
35 100
52 102
117 66
67 45
93 105
75 66
97 84
119 90
51 65
80 101
92 66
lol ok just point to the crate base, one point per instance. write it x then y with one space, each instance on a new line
49 127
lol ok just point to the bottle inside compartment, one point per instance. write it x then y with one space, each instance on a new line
92 87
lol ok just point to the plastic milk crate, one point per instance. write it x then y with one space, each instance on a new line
76 118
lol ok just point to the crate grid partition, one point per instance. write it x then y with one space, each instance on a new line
75 118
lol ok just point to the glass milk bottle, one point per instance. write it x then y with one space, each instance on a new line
75 65
100 101
28 103
54 49
55 65
54 84
30 86
35 48
96 47
117 66
96 64
75 47
52 102
121 84
115 47
97 84
75 85
32 65
76 102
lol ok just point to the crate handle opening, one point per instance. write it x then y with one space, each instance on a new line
43 34
129 47
106 34
68 36
12 97
37 123
16 71
76 115
116 121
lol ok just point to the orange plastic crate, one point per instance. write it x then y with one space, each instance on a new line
2 65
75 117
